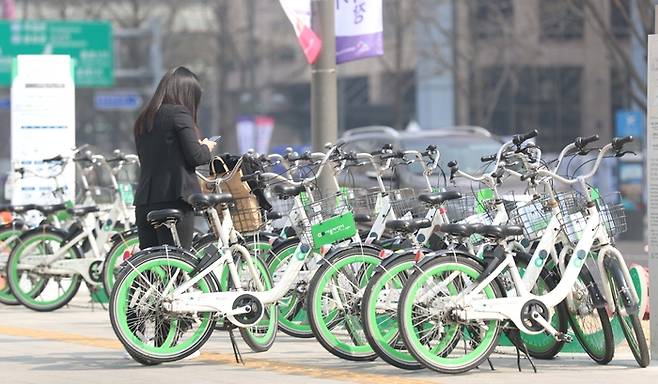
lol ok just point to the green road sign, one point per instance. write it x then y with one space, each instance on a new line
89 43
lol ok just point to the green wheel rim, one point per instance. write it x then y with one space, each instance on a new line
116 258
32 295
434 354
384 328
540 342
171 345
625 322
269 321
359 345
297 321
5 292
593 338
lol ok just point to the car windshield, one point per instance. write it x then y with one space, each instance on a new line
465 150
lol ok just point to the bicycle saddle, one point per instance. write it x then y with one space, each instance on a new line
439 198
288 190
163 215
362 218
81 211
274 215
461 230
203 201
410 225
51 208
499 231
21 208
220 198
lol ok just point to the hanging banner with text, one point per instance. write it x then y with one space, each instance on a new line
42 126
359 29
299 14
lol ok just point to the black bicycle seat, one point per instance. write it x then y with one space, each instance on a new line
220 198
362 218
500 231
288 190
408 226
163 215
439 198
82 211
51 208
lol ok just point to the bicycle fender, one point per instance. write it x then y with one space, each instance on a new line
121 235
338 251
447 253
397 255
630 304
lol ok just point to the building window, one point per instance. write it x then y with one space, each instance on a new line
491 18
561 20
620 14
544 98
354 89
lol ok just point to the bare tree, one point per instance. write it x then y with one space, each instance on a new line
644 9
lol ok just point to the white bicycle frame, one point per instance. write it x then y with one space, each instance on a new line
476 307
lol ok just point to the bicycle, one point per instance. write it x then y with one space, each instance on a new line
468 303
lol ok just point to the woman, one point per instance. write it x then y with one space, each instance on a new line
169 149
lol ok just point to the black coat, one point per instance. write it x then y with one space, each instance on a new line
169 155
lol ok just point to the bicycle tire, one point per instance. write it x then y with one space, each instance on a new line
437 357
630 324
327 329
158 349
29 298
599 345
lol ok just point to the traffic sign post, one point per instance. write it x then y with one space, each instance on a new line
89 43
652 183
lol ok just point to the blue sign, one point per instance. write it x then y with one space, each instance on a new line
117 101
629 123
5 103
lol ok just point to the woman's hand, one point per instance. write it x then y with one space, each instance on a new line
208 143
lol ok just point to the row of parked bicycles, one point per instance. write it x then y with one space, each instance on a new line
48 251
421 279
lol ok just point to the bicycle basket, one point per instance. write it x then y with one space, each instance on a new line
613 214
533 217
402 201
573 207
460 209
246 214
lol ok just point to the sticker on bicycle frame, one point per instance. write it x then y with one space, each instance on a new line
126 192
335 229
580 258
541 259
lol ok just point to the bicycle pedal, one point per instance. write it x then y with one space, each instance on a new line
564 337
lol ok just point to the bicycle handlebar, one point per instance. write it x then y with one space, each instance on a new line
616 145
521 138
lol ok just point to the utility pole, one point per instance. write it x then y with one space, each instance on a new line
324 110
652 184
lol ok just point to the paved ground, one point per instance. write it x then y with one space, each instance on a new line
76 345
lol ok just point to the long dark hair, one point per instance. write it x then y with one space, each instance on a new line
178 86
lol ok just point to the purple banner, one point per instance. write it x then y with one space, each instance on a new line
350 48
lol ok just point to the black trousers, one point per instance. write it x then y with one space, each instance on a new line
150 237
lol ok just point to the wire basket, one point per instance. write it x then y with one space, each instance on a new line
403 201
246 215
317 212
460 209
611 213
533 217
